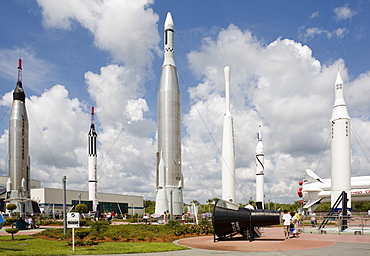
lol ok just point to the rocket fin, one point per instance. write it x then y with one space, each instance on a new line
311 176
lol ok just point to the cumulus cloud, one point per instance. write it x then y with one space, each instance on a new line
126 29
343 13
280 86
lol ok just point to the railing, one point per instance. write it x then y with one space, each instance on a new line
359 224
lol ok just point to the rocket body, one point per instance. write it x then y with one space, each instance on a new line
19 161
340 146
260 168
92 164
228 149
169 175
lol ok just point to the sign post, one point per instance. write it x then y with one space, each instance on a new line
73 221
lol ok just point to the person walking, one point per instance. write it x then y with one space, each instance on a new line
313 219
287 218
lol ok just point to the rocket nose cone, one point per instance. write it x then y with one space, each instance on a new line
339 79
168 24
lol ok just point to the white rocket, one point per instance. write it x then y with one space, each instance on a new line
228 149
260 167
315 189
19 161
340 146
169 176
92 158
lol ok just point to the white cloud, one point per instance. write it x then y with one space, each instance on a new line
314 15
279 85
126 29
36 72
343 13
310 33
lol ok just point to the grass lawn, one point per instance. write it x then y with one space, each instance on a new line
28 245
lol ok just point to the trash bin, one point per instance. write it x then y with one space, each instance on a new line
21 225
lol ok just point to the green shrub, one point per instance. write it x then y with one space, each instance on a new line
11 207
173 223
85 223
81 233
12 231
97 227
56 233
90 242
9 221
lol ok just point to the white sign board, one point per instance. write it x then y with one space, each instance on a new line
73 220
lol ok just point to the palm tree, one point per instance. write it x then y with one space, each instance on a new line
195 202
209 202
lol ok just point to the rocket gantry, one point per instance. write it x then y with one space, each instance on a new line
169 176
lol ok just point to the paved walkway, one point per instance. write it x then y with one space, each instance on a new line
273 243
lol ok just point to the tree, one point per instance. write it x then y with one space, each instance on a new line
195 202
12 231
11 208
149 206
81 208
209 203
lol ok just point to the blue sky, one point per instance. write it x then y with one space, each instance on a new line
283 55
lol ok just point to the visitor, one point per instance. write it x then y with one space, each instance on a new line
298 218
292 227
165 217
145 218
249 206
286 222
313 219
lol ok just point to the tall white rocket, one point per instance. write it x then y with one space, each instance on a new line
340 146
92 158
169 176
228 149
260 167
19 161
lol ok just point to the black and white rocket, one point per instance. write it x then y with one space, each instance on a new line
228 148
260 168
93 180
340 146
18 185
169 183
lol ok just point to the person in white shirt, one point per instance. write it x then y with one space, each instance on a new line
249 206
286 222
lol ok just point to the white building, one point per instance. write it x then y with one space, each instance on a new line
51 199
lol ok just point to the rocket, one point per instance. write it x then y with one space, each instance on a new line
228 148
259 171
340 146
19 161
169 185
92 158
